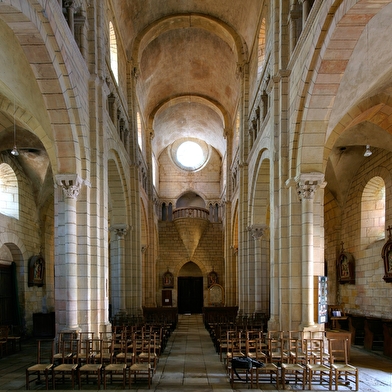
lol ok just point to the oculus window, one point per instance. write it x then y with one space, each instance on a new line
190 154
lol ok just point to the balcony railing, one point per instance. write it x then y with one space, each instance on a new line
191 212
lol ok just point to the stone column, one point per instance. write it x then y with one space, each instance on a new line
305 11
66 271
257 231
117 268
307 185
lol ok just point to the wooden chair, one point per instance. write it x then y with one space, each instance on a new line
148 351
3 340
44 364
63 343
84 338
15 337
107 348
338 348
316 364
118 365
93 364
140 369
269 373
292 370
68 362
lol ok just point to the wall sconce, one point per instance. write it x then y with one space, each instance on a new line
367 152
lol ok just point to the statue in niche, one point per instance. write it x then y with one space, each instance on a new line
346 267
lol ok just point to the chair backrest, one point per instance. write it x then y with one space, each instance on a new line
4 330
315 350
338 350
275 350
93 350
45 350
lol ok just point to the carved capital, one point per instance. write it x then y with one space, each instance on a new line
70 184
258 230
120 230
308 183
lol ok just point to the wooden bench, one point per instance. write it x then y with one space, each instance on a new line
374 334
387 328
219 314
357 328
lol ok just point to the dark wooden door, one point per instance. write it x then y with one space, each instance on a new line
190 295
8 302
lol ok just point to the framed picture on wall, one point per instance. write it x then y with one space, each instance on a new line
346 268
168 280
386 254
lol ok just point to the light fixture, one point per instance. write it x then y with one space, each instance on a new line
367 152
14 151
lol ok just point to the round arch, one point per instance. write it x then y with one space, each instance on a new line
64 141
323 85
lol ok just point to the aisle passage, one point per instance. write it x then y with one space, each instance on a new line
190 362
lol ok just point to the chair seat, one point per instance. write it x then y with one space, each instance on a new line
60 355
343 367
137 367
40 367
146 355
90 367
268 366
318 367
292 366
115 367
66 367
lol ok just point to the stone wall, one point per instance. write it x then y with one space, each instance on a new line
208 255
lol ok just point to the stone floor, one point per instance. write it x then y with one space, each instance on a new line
190 363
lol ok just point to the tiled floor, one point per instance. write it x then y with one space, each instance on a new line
190 363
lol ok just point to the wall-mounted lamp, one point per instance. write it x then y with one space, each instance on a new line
367 152
14 151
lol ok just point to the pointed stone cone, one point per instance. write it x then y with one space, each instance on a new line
190 231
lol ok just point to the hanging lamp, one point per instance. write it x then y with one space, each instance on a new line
14 151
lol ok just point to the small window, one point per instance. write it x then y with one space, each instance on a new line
139 130
261 48
373 211
9 195
113 51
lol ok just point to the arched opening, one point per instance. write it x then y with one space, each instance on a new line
113 51
373 211
190 289
9 195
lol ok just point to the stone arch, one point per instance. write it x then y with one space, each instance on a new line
208 102
260 192
323 83
117 193
207 22
41 53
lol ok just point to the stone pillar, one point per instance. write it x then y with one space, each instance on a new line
257 232
305 11
307 185
66 271
117 267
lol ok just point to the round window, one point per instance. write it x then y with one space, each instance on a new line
189 154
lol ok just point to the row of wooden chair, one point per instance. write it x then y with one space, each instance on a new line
290 358
123 355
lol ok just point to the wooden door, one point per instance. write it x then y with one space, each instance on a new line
190 295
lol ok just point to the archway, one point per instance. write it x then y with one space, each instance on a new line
190 289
